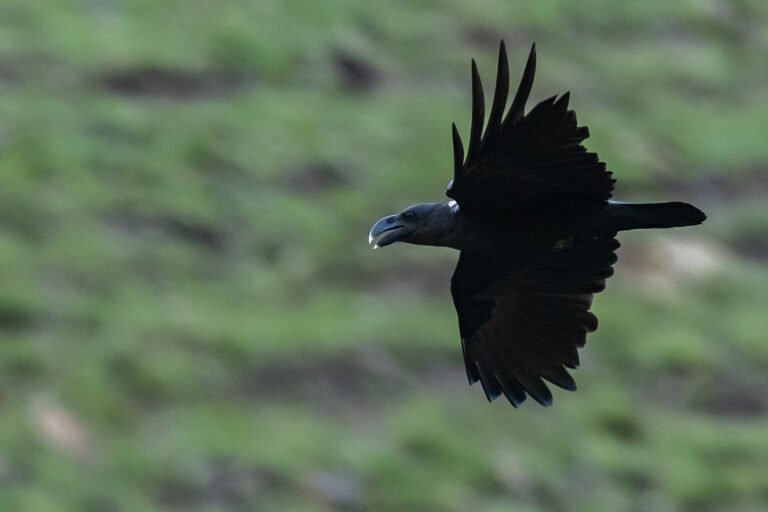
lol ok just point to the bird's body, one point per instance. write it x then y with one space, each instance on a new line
531 215
518 235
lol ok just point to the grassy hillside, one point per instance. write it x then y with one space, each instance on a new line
190 316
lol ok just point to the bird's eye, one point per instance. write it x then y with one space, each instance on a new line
408 215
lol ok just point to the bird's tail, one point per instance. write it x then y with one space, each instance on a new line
627 216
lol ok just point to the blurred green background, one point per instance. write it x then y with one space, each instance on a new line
191 318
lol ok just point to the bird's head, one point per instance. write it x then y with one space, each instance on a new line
422 224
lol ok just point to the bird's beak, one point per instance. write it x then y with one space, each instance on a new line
386 231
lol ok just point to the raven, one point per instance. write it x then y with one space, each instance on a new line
531 216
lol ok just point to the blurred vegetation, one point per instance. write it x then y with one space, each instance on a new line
190 316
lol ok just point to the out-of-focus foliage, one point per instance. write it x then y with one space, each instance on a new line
190 317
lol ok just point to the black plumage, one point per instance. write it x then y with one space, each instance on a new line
532 218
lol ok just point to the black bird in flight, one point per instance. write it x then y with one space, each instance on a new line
532 216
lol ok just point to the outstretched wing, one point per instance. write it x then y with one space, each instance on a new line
522 320
523 159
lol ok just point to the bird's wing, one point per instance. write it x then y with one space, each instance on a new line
522 320
523 159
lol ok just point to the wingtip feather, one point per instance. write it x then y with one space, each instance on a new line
478 112
458 151
499 96
517 109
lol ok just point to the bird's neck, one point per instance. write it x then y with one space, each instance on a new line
443 226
